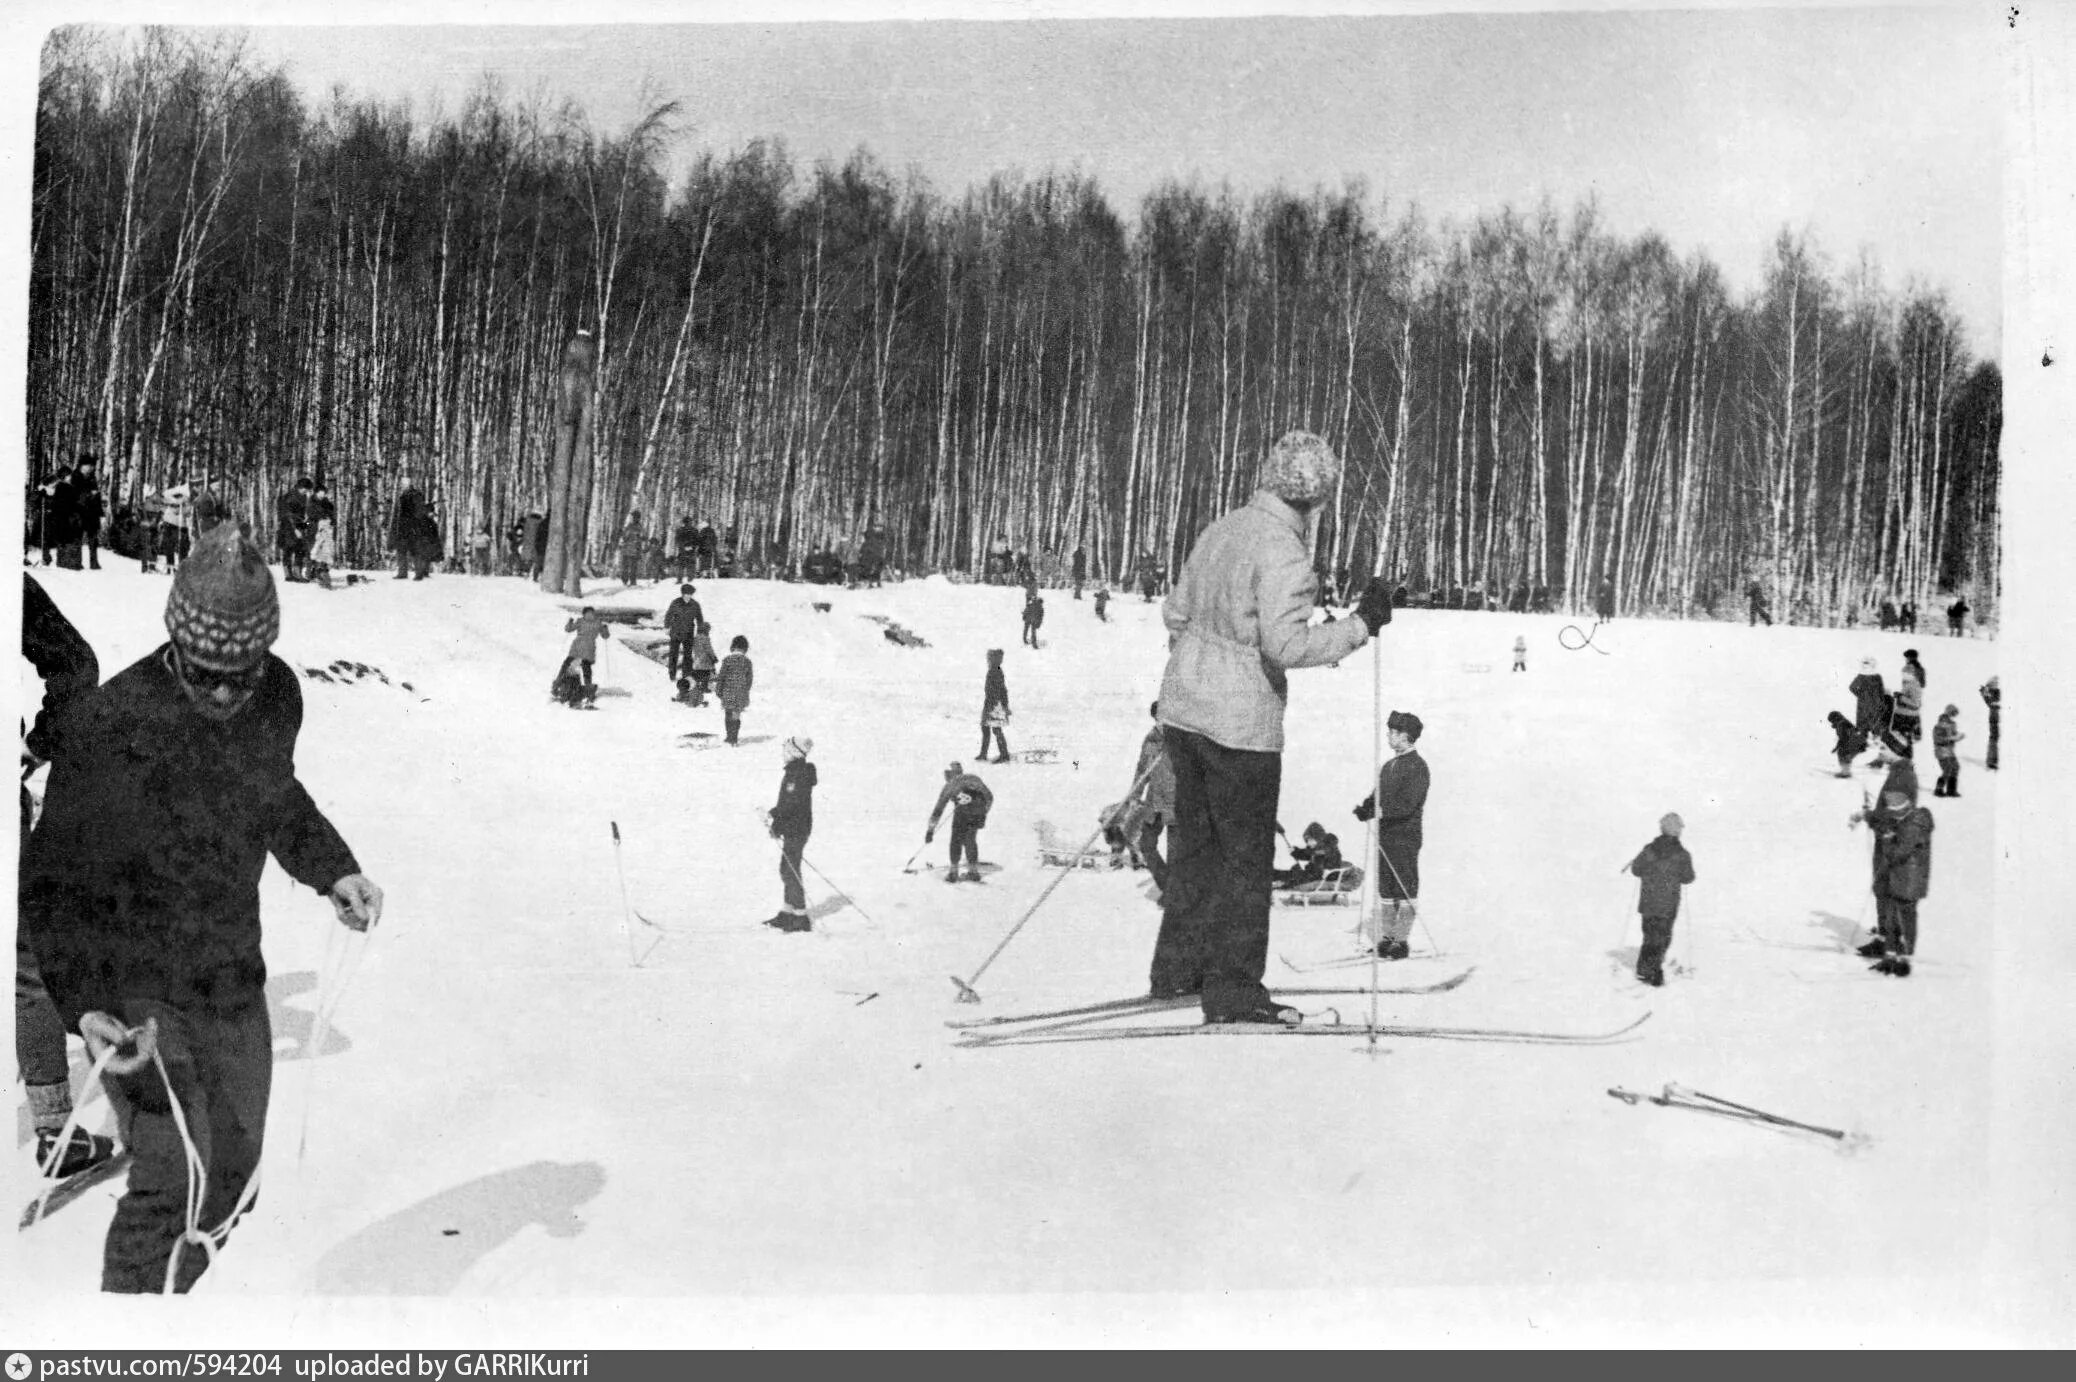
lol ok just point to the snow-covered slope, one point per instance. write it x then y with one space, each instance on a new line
509 1107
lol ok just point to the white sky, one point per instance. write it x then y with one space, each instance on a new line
1876 128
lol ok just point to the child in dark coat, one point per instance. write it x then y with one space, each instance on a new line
792 820
1902 878
1102 604
1663 866
1870 700
703 663
1852 742
970 800
994 709
1034 615
733 682
1311 861
1945 734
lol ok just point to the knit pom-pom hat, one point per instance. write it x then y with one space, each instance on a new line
223 613
1301 469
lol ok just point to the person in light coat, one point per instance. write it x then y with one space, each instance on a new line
1239 620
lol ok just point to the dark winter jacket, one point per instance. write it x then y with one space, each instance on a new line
1870 702
1311 863
1400 801
684 617
969 799
1945 734
587 628
142 880
703 659
407 526
733 682
1993 697
794 814
61 657
1903 856
996 693
1034 611
81 496
1664 866
1852 740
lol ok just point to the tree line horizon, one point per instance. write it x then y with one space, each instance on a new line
228 284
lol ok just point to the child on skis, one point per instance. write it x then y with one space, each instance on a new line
1852 742
703 663
1034 615
1662 867
994 708
733 682
583 649
1521 652
970 800
792 820
1945 734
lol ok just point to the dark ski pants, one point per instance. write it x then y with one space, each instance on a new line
1215 907
221 1066
965 839
1150 854
791 847
1031 635
1650 957
585 663
731 720
39 1033
1949 784
1001 744
1895 921
1990 761
680 656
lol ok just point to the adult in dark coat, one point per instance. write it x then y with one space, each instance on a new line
1993 697
1871 704
87 510
1399 803
533 543
1080 570
293 525
681 621
58 519
69 670
792 821
140 891
407 534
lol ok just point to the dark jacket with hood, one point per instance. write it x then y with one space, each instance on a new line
794 813
1664 866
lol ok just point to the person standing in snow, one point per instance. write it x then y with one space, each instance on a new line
682 621
69 669
1914 668
1034 615
1871 705
1852 742
583 649
1993 697
1662 867
792 820
1521 652
1892 753
703 662
1907 719
1238 620
1902 878
1080 569
994 709
733 683
1945 735
140 891
970 801
1103 603
323 551
1399 804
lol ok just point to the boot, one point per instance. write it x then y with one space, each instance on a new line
1269 1014
82 1152
1874 949
951 875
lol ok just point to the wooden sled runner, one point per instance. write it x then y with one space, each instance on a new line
1339 888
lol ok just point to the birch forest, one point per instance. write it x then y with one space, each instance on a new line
233 281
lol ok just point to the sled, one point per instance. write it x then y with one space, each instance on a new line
1339 888
1036 755
1100 859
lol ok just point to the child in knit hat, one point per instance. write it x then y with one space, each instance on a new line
1663 866
792 820
1945 734
1852 742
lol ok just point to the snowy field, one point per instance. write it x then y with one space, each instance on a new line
781 1128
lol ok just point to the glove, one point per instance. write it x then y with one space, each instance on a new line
1366 809
1375 609
357 901
135 1045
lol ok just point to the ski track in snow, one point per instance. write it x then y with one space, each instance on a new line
509 1107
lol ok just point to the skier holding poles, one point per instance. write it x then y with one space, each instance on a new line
1238 619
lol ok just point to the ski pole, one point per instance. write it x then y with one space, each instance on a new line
626 907
967 993
909 867
841 891
1673 1091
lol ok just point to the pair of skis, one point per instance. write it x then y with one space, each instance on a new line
1679 1096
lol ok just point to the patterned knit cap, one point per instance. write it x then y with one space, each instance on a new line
1301 469
223 613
